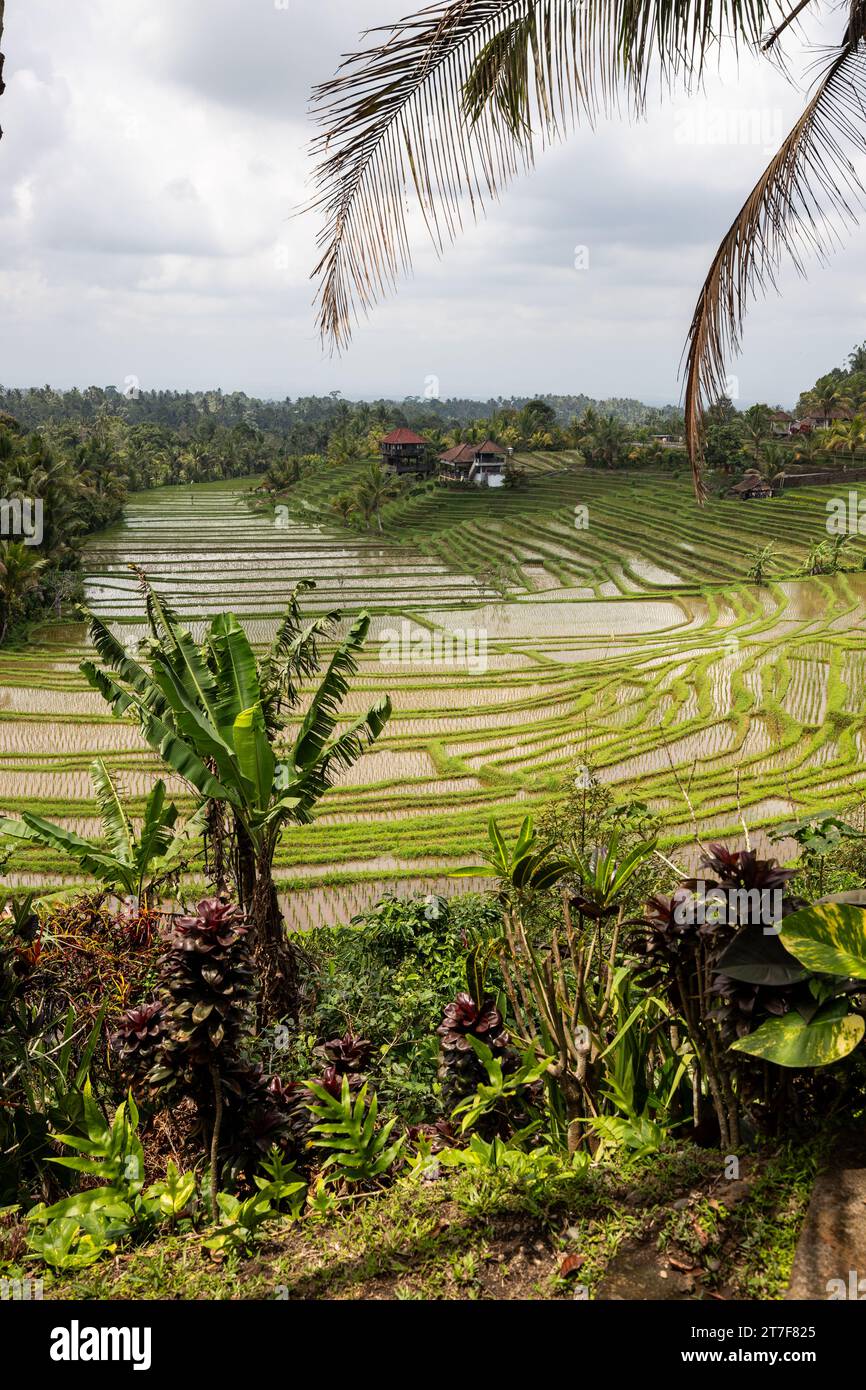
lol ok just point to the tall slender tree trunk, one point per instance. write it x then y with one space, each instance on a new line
274 956
2 83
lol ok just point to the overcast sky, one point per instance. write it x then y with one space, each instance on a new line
153 155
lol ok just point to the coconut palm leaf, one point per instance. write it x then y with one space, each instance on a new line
452 103
810 176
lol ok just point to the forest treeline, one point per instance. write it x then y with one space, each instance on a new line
306 421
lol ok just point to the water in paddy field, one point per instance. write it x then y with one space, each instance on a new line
616 662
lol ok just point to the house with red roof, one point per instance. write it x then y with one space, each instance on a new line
404 451
480 464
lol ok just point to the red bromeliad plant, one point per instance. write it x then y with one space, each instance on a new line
196 1035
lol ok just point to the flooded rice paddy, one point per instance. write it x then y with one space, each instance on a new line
753 698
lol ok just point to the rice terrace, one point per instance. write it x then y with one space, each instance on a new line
432 714
631 646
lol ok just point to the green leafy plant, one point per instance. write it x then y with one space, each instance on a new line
605 874
385 977
759 563
498 1168
828 942
215 715
358 1153
706 946
820 836
45 1058
501 1087
280 1193
174 1194
134 865
78 1229
530 865
241 1220
560 985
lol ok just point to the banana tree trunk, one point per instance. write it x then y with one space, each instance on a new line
274 956
245 872
215 839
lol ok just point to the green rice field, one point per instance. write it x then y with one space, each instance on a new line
517 645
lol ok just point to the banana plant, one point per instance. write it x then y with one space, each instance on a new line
217 717
129 864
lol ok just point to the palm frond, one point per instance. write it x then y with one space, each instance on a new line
161 617
451 103
293 656
810 181
291 621
324 709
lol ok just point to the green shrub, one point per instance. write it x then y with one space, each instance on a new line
387 977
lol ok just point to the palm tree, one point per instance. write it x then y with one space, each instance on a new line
20 569
607 442
216 716
826 398
773 458
848 436
453 100
344 507
756 427
809 447
344 449
376 487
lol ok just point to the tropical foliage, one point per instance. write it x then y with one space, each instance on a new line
216 716
136 866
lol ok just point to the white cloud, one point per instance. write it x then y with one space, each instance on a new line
153 159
